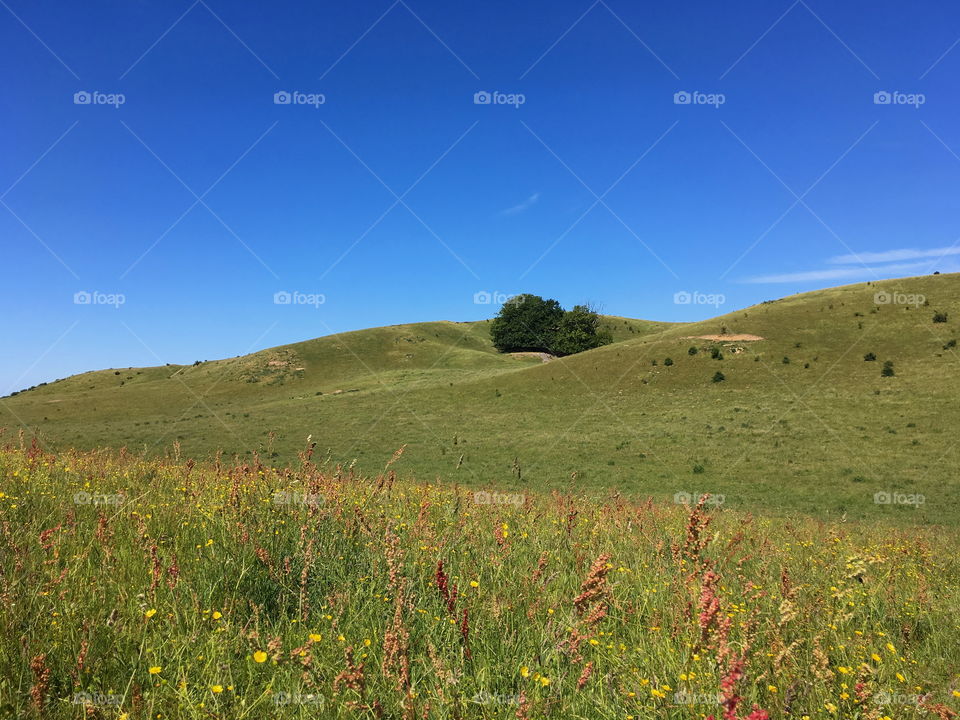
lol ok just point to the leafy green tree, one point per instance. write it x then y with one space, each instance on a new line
579 330
526 323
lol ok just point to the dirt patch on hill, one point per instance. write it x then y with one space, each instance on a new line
544 357
740 337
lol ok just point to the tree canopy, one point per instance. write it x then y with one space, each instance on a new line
528 323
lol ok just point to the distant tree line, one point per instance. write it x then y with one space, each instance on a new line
528 323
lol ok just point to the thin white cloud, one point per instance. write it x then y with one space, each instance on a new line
894 255
847 273
517 209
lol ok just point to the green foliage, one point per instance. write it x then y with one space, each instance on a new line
719 377
526 323
887 370
579 330
668 362
530 323
693 350
939 317
869 357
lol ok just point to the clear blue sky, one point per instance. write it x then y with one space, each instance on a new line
198 198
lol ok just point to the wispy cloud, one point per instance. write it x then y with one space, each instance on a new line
517 209
846 273
894 255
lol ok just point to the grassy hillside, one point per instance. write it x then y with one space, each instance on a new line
800 424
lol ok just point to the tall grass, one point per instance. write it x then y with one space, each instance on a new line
137 588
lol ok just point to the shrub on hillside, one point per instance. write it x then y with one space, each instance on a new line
668 361
579 330
869 357
939 317
526 323
718 377
887 370
693 350
716 354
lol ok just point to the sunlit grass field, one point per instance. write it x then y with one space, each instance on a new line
168 588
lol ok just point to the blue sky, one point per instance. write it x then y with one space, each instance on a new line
158 221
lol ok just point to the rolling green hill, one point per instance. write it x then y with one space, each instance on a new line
801 423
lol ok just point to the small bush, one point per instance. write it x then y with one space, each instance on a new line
939 317
887 370
668 361
716 354
950 344
786 360
692 351
698 469
718 377
869 357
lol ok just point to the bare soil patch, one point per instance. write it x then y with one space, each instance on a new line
740 337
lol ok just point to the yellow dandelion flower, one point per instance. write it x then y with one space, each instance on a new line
544 681
216 688
525 671
155 670
216 615
316 637
259 656
150 613
474 584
